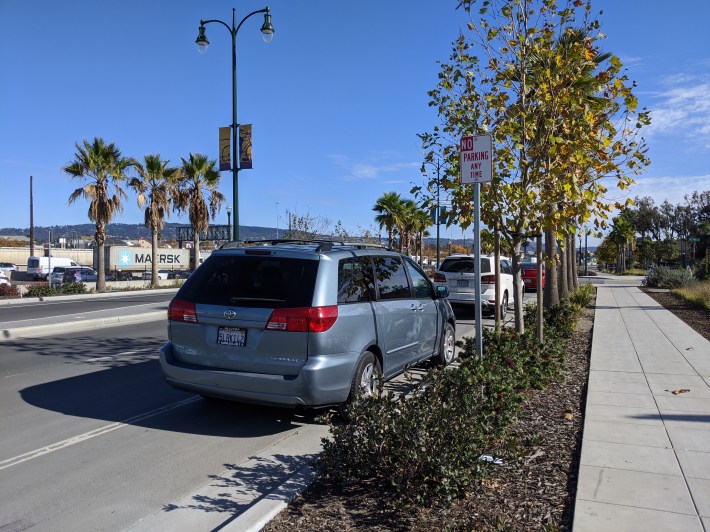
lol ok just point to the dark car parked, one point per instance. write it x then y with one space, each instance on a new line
179 274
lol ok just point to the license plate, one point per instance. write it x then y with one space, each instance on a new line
527 281
232 336
462 282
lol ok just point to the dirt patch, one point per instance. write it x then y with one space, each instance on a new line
697 317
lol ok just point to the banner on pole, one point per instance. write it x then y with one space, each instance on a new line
225 162
245 161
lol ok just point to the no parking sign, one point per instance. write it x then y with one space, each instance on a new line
476 159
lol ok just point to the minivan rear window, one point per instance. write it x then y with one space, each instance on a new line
252 281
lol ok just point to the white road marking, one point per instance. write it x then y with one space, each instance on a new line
92 434
125 353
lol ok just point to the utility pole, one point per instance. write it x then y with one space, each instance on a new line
32 222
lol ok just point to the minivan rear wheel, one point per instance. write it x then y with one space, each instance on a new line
366 381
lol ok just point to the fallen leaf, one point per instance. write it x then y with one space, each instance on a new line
679 391
569 415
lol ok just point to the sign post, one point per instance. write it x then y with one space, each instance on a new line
476 168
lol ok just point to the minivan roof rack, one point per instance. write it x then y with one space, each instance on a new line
323 244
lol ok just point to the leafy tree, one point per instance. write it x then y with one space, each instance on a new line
645 252
103 167
156 186
666 250
606 252
562 119
198 178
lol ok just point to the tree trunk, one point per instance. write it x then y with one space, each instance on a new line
562 279
154 256
196 248
552 294
572 264
100 260
538 295
518 287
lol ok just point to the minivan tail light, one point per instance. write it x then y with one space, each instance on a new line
488 279
303 319
181 310
439 278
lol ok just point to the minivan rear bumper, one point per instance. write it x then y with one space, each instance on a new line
323 380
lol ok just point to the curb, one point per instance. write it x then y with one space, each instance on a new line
36 331
261 513
77 297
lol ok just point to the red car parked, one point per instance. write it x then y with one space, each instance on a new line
528 271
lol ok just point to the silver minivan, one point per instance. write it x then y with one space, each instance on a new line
303 323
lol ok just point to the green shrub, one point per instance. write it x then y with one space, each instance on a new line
427 447
559 320
8 290
583 295
41 290
665 277
74 288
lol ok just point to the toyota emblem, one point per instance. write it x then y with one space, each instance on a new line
230 314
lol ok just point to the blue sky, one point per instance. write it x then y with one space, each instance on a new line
336 99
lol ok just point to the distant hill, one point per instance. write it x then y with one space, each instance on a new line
124 231
135 231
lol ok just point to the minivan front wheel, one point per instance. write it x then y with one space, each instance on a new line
366 381
447 349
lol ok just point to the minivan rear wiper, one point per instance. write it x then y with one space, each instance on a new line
251 299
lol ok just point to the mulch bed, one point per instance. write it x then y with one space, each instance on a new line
696 316
534 489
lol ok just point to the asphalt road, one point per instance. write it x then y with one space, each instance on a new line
93 438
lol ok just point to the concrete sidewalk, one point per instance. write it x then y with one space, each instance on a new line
645 461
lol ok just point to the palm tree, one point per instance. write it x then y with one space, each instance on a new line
155 185
103 167
622 233
198 177
389 207
422 220
407 223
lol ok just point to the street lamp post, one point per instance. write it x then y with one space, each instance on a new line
277 220
268 32
229 221
437 164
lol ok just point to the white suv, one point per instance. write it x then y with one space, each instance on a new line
457 273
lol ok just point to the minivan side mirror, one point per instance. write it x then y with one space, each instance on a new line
442 291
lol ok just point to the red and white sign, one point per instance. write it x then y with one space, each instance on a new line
476 159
